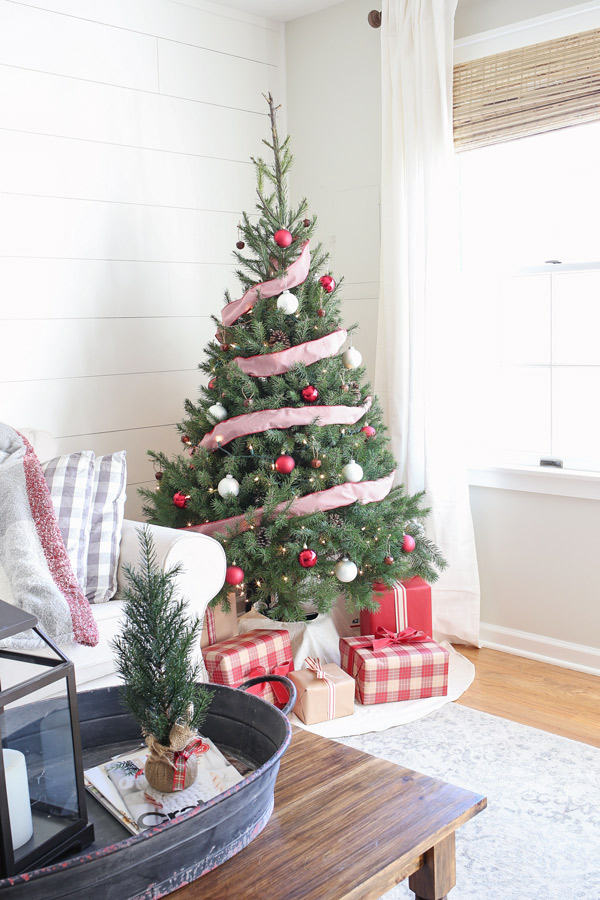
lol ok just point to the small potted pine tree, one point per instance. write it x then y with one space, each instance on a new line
160 680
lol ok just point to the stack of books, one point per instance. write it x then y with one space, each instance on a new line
121 787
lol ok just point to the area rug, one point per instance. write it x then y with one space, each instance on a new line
540 835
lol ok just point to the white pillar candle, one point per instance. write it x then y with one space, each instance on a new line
17 789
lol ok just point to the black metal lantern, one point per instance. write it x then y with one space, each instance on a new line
42 795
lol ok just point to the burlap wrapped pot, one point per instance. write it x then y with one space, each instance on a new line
160 766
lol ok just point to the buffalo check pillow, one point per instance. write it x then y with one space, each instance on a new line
108 504
70 479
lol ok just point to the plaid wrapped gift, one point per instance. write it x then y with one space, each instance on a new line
260 652
407 604
392 666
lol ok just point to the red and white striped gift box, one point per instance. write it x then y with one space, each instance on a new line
234 661
219 625
406 603
398 671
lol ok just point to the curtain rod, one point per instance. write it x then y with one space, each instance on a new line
374 18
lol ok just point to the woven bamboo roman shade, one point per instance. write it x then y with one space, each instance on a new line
527 91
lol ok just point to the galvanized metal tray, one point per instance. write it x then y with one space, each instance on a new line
119 866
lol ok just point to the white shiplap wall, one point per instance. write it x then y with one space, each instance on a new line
126 128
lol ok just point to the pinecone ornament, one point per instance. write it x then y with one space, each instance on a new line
335 520
262 539
355 391
279 337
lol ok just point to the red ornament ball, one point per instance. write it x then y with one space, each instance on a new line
283 238
369 430
234 575
320 312
327 283
310 393
225 347
158 476
408 544
186 439
306 223
285 464
248 401
315 463
307 558
180 500
212 383
388 560
240 245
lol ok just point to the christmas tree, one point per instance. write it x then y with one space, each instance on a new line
287 460
154 651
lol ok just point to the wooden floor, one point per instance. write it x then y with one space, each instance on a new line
549 697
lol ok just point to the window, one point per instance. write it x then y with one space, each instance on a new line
530 246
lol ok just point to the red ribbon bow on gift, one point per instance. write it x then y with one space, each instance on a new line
281 694
180 758
317 668
384 638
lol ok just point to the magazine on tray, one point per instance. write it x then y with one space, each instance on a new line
121 787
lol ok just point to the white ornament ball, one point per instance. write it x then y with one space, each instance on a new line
352 471
228 486
217 411
351 358
346 571
287 303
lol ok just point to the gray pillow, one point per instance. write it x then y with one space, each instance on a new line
108 505
70 479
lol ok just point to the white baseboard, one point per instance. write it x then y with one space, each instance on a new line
538 646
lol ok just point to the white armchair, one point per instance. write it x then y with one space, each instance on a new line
203 573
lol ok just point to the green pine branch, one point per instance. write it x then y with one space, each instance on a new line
155 648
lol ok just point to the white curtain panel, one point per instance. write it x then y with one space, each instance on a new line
419 354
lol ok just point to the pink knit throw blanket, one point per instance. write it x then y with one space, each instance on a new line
35 571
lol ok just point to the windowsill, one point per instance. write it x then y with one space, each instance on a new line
538 480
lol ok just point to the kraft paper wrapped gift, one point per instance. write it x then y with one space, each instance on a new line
248 655
324 692
218 624
407 604
389 667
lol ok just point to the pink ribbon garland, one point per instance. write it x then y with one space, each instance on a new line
294 275
321 501
180 758
253 423
282 361
317 668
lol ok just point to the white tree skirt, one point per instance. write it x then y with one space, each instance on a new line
320 638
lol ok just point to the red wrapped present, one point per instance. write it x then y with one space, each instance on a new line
219 625
248 655
392 666
405 605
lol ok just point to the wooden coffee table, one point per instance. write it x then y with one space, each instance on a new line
346 826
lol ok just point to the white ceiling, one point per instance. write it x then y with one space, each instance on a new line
280 10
